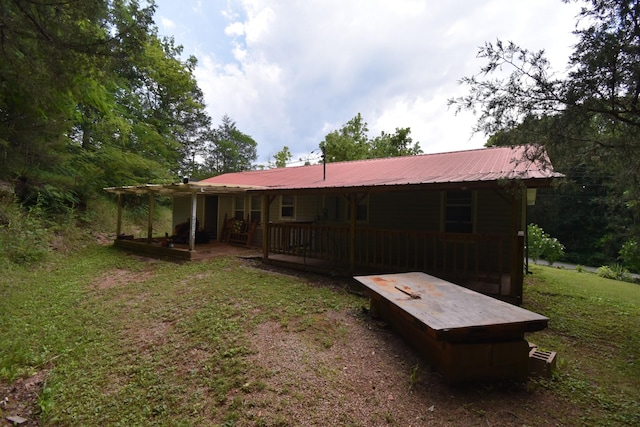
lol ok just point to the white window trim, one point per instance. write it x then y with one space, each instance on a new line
295 203
244 205
253 209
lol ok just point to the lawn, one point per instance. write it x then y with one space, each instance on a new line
100 337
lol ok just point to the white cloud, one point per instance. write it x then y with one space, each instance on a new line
289 72
167 24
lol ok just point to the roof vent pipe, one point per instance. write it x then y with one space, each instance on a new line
324 163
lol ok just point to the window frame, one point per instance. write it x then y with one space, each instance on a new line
459 211
255 210
236 211
291 206
364 203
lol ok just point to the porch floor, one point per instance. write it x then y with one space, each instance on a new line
202 251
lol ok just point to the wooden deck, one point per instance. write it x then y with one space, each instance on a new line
181 252
466 335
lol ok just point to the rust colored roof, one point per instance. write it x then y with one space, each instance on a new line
482 165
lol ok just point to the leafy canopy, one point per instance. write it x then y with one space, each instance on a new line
588 118
352 143
91 96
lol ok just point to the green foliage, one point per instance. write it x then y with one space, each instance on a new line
543 246
352 143
282 157
615 272
588 119
92 97
630 254
230 149
24 236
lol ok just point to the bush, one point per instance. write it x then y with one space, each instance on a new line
630 255
24 237
543 246
615 272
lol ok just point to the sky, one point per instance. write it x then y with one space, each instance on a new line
288 72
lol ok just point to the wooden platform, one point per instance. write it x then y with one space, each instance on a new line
181 251
466 335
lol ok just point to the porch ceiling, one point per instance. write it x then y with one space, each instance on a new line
182 188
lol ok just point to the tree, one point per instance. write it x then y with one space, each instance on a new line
90 96
348 143
398 144
282 157
590 117
230 150
352 143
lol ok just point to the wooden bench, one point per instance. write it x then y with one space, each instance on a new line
466 336
238 232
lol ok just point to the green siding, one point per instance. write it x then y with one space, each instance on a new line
416 210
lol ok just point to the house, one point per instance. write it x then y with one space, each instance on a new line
460 215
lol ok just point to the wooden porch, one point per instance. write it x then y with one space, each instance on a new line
481 262
180 252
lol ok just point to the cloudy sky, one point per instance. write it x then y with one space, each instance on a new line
290 71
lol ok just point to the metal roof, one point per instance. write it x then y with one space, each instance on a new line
485 165
471 166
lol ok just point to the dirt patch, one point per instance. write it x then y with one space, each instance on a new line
120 277
20 399
367 376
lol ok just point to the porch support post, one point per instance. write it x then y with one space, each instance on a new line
517 250
192 222
266 203
150 220
353 201
119 221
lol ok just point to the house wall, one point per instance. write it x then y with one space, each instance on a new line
493 212
406 210
414 210
182 210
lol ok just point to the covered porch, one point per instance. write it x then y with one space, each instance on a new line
189 247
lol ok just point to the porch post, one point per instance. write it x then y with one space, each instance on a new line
265 226
192 222
119 221
517 250
150 220
353 200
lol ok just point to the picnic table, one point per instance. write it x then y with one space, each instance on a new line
466 335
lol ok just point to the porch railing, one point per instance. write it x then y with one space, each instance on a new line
461 257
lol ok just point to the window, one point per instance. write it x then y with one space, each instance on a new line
287 207
362 210
238 206
458 215
256 209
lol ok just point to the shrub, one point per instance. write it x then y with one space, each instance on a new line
543 246
630 255
24 237
615 272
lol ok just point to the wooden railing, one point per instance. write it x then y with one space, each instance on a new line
461 257
322 242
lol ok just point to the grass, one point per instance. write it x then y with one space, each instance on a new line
131 342
595 328
126 341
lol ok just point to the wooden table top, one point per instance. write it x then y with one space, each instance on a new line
452 312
